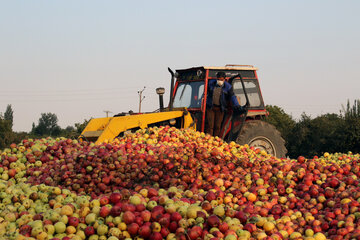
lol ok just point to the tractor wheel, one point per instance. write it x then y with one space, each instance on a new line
262 135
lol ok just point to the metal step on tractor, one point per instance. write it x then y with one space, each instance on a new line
187 109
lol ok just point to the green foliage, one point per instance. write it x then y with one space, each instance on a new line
351 112
6 122
326 133
351 128
47 126
9 115
315 136
74 132
281 120
6 134
81 126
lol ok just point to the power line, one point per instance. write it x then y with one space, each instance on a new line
63 90
49 93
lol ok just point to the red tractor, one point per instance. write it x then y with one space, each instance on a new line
190 91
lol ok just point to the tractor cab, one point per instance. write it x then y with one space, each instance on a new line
190 91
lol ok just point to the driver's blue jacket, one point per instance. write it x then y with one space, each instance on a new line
227 95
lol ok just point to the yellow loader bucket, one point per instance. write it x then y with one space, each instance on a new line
102 129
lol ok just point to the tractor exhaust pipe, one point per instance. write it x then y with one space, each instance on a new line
160 91
171 88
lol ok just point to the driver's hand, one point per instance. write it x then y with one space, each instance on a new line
239 110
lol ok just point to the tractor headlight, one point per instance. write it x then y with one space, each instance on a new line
160 91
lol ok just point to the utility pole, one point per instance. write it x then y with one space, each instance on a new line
107 112
141 98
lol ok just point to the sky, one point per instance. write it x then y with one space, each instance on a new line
78 59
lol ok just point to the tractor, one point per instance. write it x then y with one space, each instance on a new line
187 109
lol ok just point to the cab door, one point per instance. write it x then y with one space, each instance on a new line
191 95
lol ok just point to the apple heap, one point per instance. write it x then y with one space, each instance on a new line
166 183
166 156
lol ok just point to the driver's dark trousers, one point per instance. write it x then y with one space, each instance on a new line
214 117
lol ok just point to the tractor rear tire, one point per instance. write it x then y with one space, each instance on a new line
262 135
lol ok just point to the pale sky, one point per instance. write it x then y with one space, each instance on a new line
79 58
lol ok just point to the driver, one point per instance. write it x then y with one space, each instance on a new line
220 94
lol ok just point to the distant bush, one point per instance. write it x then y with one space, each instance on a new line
327 133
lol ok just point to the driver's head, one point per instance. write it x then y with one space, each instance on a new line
220 78
220 75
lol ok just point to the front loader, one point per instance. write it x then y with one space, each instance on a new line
187 109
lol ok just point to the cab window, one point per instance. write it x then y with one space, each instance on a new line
189 95
252 91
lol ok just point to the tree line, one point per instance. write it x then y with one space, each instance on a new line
47 126
307 136
311 137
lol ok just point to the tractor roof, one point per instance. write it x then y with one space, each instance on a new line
226 67
233 67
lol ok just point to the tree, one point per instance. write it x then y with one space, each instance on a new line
326 134
74 131
69 129
351 111
351 128
6 134
81 126
69 132
47 126
8 115
311 137
282 121
297 143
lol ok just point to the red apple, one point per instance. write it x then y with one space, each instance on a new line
115 197
145 231
128 217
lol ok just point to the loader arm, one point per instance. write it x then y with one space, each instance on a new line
103 129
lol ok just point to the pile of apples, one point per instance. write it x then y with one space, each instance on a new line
166 183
